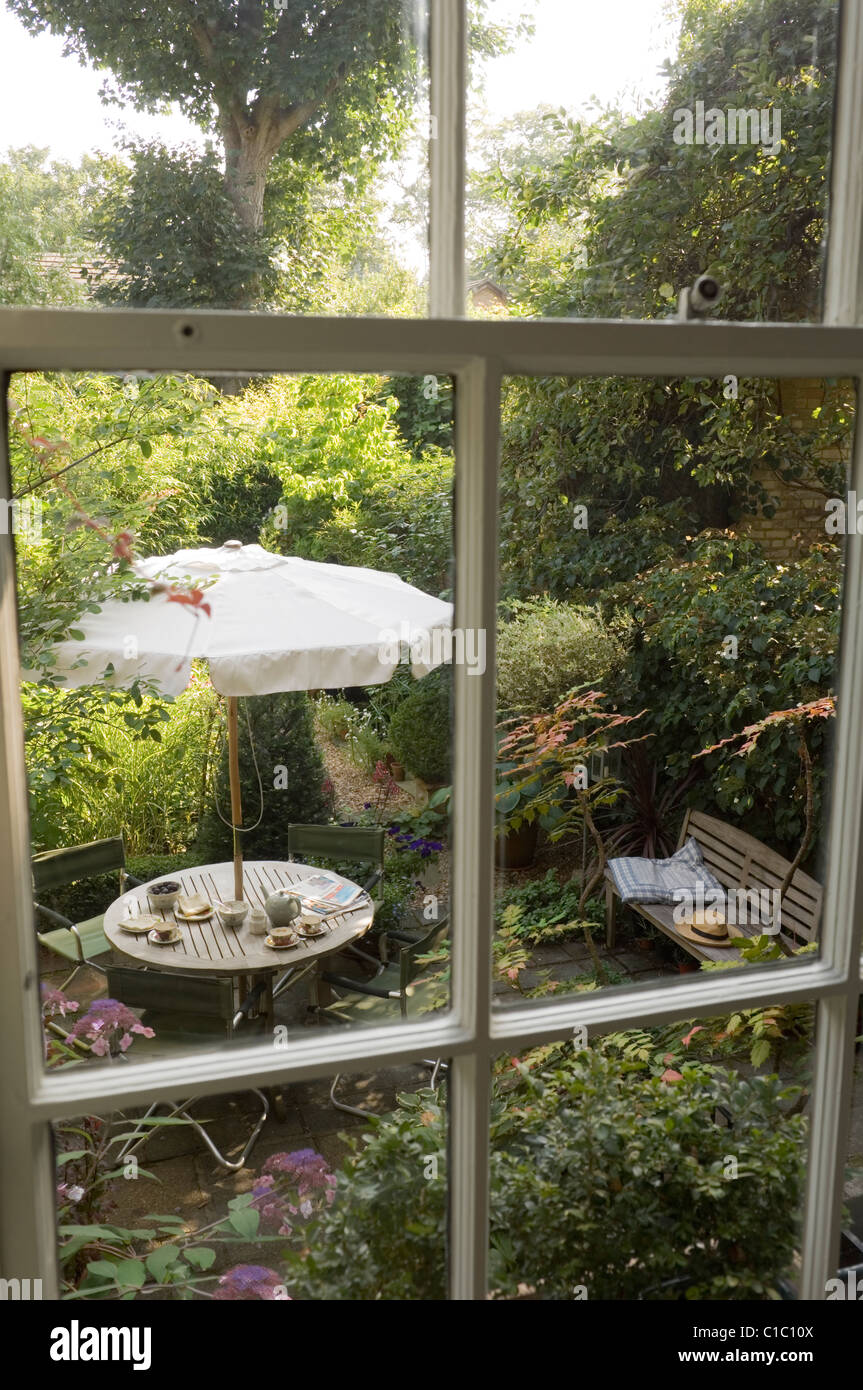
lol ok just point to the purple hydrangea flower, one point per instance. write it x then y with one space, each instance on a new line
108 1027
245 1282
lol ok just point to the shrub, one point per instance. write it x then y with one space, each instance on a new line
420 729
547 648
283 737
602 1176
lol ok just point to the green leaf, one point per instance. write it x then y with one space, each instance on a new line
246 1221
131 1273
159 1261
200 1256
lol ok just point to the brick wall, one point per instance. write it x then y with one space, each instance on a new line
799 518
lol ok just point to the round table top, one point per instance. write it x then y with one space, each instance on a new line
212 948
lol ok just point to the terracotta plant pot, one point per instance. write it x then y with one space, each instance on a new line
397 771
517 848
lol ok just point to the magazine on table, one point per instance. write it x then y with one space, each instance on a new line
323 893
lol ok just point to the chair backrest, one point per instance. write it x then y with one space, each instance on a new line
409 956
206 996
361 843
739 860
54 868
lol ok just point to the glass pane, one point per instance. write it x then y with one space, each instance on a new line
658 1164
266 156
671 569
618 152
265 571
145 1209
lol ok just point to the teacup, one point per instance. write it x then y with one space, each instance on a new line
165 930
281 936
233 913
163 895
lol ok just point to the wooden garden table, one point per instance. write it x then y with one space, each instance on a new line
213 949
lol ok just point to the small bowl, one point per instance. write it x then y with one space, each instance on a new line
232 913
163 895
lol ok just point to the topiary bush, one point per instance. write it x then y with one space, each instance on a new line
292 777
420 729
547 648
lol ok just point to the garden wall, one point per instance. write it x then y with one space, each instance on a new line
800 514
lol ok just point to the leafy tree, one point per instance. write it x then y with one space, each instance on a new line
171 235
292 93
41 211
614 226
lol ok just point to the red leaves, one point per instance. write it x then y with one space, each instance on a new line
823 708
194 598
691 1034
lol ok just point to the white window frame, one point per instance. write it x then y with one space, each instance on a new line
478 355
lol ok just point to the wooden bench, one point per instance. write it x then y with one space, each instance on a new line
738 861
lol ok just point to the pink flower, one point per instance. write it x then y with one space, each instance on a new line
54 1002
108 1027
668 1075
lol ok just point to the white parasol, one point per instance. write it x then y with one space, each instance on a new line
264 623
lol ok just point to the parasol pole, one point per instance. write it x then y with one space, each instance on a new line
236 800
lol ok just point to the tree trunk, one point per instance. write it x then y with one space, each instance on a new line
248 155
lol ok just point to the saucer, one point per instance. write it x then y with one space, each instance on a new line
194 916
316 928
139 925
171 940
281 945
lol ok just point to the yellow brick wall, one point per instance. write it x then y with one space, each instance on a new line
800 514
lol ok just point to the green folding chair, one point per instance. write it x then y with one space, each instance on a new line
347 845
55 868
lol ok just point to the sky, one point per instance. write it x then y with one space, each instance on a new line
581 51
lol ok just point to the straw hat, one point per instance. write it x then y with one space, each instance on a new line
708 929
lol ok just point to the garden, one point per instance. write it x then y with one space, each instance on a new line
658 659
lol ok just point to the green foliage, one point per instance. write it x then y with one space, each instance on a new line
425 410
41 213
649 1197
277 742
785 619
385 1235
603 1177
548 648
610 218
149 791
548 910
353 493
324 94
171 236
421 728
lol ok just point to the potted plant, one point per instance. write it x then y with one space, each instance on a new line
518 821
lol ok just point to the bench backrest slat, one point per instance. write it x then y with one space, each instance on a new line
739 860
